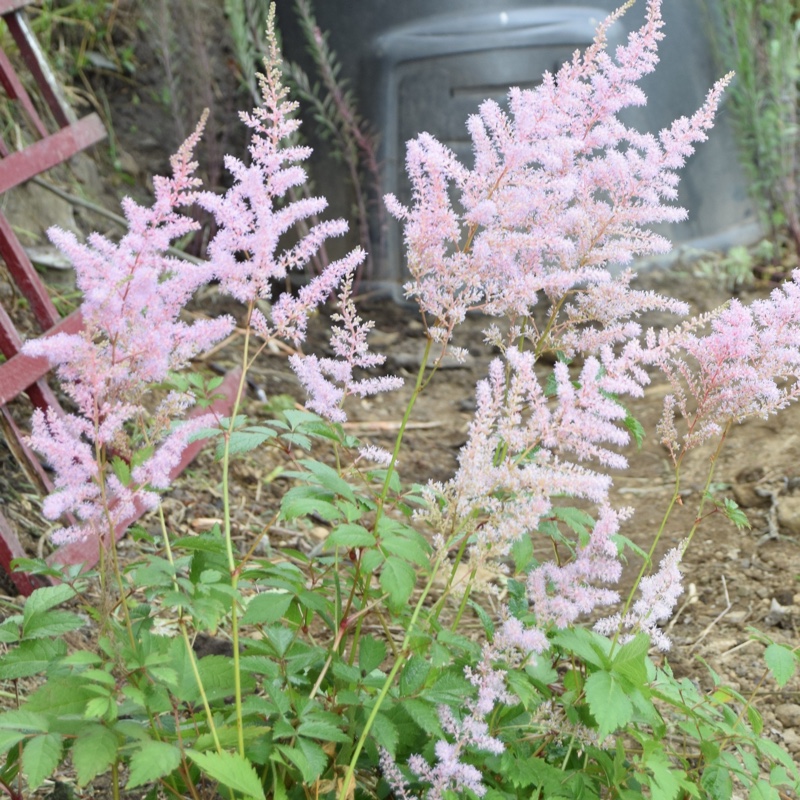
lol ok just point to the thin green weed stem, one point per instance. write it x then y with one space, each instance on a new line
387 684
226 516
186 640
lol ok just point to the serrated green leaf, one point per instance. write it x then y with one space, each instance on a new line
298 417
93 752
371 653
385 733
121 469
31 657
142 455
40 757
782 663
266 608
231 770
153 760
629 660
9 738
587 645
46 598
216 674
323 730
755 719
608 701
329 478
60 697
717 782
25 721
398 579
243 441
97 708
304 501
424 715
350 535
664 784
575 519
635 428
51 623
522 553
735 514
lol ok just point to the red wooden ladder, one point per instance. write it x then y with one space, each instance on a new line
21 373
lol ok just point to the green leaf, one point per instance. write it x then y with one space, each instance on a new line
40 757
589 646
399 539
717 782
329 478
47 597
152 761
350 535
782 663
635 428
486 621
242 441
522 553
371 653
664 784
304 501
25 721
315 757
9 738
93 752
735 514
51 623
266 608
31 657
629 660
121 469
608 702
61 697
216 674
297 417
323 730
575 519
398 579
385 733
424 715
231 770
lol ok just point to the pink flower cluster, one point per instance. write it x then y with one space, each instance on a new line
329 380
561 188
133 337
254 215
747 364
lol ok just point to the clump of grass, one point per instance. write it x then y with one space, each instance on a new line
761 42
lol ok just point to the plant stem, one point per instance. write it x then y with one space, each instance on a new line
187 642
387 684
418 386
226 515
401 659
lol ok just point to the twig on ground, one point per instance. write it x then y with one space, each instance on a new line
716 619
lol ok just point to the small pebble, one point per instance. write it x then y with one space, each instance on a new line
789 715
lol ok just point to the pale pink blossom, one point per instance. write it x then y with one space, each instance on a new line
133 337
659 594
737 362
329 380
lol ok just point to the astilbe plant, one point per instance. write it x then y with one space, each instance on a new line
348 675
